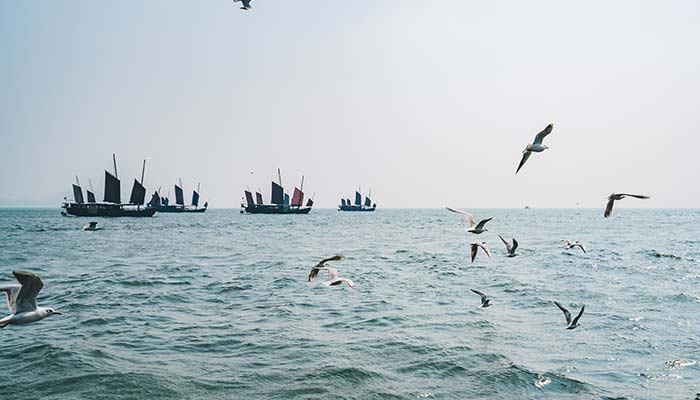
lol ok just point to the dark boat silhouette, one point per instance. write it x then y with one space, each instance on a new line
111 206
162 204
346 205
280 201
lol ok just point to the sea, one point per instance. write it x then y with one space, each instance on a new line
218 306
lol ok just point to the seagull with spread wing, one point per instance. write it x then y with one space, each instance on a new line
475 248
473 226
570 245
535 146
333 278
22 300
571 324
485 301
510 248
619 196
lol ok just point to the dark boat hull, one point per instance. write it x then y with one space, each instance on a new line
106 210
179 209
274 209
355 208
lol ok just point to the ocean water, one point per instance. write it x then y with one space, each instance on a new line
217 306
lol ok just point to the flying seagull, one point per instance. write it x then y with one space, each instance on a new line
572 324
485 301
570 245
246 4
475 247
333 278
535 146
473 226
22 300
619 196
510 248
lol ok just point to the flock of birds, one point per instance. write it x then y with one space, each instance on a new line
479 227
22 298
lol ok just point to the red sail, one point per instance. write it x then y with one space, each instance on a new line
298 198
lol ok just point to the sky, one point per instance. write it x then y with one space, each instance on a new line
425 103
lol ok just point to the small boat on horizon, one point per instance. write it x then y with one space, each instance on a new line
162 204
346 205
111 206
280 200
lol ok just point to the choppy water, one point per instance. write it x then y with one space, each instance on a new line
217 306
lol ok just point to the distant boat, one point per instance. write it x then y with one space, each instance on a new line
162 204
346 205
280 201
111 206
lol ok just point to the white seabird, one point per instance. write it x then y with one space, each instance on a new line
510 248
91 226
333 278
22 300
475 247
570 245
572 324
473 226
535 146
246 6
485 301
619 196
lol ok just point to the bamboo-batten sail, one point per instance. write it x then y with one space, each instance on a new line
297 197
112 189
78 194
195 198
249 198
90 196
258 198
179 197
138 193
277 194
358 198
342 202
368 202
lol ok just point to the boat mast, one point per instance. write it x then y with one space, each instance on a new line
198 183
302 183
91 189
143 171
114 159
279 175
77 180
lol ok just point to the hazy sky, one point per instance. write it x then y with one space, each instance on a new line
428 103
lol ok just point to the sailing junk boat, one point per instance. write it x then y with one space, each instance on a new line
111 206
346 205
281 203
162 204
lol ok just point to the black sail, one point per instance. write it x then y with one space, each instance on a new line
249 198
78 194
277 194
358 198
91 197
138 193
112 189
368 202
195 198
258 198
179 198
